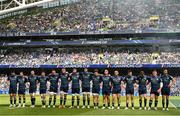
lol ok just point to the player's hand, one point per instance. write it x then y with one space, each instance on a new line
159 90
169 85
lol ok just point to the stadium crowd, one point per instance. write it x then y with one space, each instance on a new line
86 56
99 15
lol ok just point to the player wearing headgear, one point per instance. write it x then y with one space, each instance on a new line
106 88
129 80
12 81
156 86
96 88
86 78
116 88
32 79
64 76
22 80
167 81
75 79
43 87
54 81
142 81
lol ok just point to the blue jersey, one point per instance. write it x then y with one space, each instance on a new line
130 81
32 80
22 82
53 79
64 80
166 79
155 82
142 81
106 82
116 82
43 82
96 82
75 78
13 82
86 78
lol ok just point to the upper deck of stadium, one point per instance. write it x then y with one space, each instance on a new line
96 16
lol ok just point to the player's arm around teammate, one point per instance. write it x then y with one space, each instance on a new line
22 80
12 81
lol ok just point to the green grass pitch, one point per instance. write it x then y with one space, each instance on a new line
5 110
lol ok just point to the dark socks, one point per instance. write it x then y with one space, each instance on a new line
150 103
167 103
140 102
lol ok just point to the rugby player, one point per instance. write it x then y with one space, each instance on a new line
86 78
32 79
75 79
43 87
156 86
167 81
116 88
12 81
64 76
106 88
54 81
96 88
22 80
129 80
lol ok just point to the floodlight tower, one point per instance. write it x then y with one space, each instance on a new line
7 6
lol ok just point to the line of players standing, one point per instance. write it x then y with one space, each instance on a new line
110 84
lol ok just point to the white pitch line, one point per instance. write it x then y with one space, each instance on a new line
172 104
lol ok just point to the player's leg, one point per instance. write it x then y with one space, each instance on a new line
140 101
19 96
54 100
108 101
94 100
84 99
33 99
14 97
132 101
167 102
61 99
145 101
72 101
118 101
50 99
24 100
151 101
78 100
163 102
104 102
97 101
156 102
88 100
127 101
11 99
113 100
65 98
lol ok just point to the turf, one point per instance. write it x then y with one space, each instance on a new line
5 110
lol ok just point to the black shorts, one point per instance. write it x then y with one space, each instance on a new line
154 92
165 91
75 90
64 89
142 91
106 91
116 91
130 91
42 91
12 90
53 89
21 91
86 89
96 90
32 90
